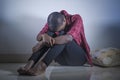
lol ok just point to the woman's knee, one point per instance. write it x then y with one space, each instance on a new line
71 43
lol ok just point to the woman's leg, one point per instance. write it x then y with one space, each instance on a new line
32 60
37 55
40 66
73 55
53 53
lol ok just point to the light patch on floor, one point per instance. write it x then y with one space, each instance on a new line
8 72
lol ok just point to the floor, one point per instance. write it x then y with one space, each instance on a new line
8 72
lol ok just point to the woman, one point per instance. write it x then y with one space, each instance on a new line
64 41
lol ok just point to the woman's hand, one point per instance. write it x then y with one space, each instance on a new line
48 40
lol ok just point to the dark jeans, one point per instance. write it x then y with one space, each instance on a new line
70 54
38 55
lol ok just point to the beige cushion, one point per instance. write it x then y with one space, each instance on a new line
106 57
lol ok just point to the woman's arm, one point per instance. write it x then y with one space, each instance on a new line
63 39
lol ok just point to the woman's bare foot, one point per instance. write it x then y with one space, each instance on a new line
38 69
23 70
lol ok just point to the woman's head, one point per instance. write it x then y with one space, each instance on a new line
56 21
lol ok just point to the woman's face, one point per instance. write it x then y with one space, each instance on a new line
62 27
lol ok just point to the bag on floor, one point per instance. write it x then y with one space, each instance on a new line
106 57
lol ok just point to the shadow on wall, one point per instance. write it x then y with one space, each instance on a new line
111 35
106 35
19 36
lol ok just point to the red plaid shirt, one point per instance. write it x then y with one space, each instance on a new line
76 30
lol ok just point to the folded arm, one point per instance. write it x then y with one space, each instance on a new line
63 39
